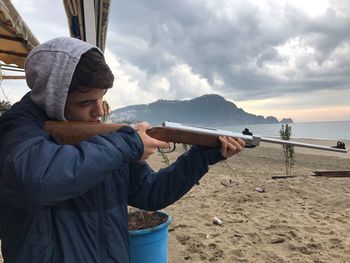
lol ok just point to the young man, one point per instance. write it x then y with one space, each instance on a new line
64 203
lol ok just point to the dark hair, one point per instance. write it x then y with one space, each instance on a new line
91 72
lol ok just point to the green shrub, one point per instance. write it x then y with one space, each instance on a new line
288 150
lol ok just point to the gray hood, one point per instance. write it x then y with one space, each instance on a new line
49 69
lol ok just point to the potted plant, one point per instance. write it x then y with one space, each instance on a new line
148 232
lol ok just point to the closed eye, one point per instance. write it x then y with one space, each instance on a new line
85 103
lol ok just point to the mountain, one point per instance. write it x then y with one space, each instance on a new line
207 110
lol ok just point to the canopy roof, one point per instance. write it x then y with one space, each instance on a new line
16 39
88 20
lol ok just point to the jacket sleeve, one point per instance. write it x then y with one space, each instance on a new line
151 190
36 171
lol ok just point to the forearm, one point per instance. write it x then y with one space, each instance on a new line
152 191
41 172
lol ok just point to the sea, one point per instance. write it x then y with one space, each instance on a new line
329 130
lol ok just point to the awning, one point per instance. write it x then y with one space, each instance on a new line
16 39
88 20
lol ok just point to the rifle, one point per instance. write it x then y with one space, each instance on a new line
68 132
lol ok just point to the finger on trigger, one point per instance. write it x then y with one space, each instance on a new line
161 144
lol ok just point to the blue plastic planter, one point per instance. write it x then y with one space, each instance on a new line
150 245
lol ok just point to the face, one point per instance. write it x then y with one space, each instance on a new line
84 106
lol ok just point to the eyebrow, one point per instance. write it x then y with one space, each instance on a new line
85 101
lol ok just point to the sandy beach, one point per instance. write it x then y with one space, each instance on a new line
300 219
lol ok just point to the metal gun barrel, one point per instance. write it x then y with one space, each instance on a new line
251 140
301 144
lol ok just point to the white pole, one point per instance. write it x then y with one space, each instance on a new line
90 22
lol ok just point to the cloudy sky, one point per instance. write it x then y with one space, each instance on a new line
286 58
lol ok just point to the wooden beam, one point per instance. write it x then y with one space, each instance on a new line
12 69
13 53
283 176
13 77
16 39
334 173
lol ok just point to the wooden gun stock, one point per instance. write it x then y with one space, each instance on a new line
70 132
183 136
73 132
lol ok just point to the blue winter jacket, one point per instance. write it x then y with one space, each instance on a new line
63 203
68 204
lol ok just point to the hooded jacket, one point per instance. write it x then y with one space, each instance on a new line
64 203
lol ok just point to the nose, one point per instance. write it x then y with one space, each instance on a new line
98 109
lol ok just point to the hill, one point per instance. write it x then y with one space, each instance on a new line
207 110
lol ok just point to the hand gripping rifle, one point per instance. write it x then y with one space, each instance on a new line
68 132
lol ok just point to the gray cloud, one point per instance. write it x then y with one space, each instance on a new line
236 42
243 50
46 19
